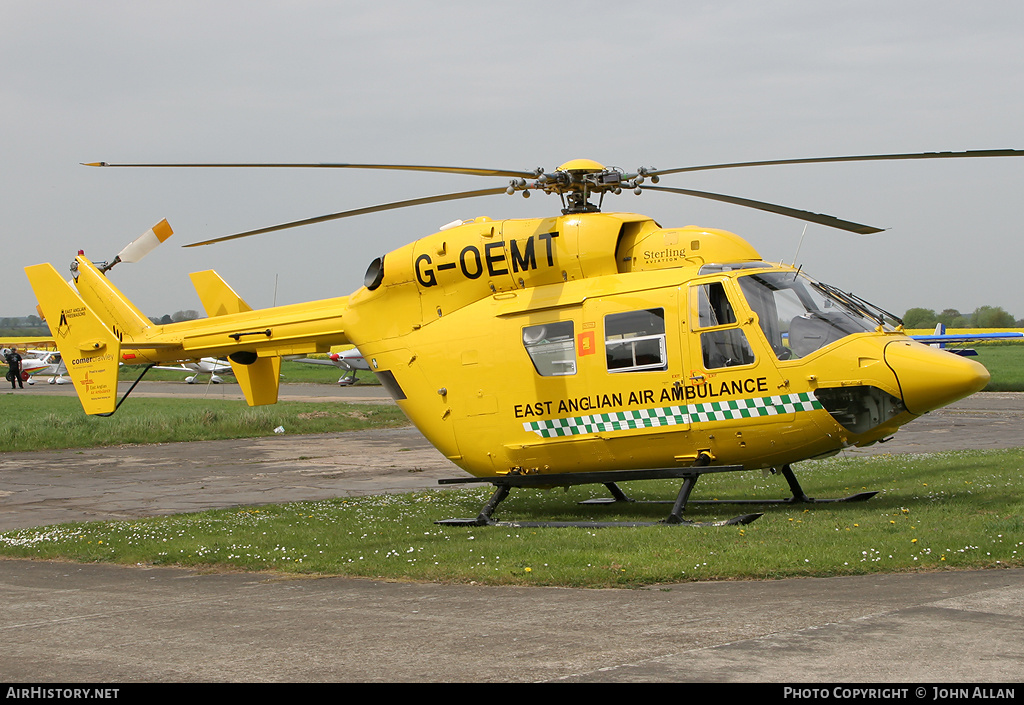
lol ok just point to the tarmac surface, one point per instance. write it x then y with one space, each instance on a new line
63 622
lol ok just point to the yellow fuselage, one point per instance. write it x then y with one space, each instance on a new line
445 330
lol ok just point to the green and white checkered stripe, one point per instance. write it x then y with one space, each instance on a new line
674 415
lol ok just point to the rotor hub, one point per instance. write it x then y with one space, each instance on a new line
577 180
588 166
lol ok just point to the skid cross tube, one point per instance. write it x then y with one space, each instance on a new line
504 484
799 496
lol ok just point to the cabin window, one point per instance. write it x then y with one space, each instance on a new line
552 348
635 341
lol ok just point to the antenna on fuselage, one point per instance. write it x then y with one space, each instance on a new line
799 245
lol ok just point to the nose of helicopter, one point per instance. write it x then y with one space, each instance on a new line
931 378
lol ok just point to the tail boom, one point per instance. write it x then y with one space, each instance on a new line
99 328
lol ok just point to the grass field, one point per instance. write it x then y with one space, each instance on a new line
1005 362
47 423
934 512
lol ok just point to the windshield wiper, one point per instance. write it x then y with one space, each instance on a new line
855 303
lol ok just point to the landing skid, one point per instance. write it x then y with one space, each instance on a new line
799 496
505 483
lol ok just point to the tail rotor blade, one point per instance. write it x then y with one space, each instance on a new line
146 243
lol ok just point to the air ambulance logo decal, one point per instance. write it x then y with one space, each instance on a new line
63 328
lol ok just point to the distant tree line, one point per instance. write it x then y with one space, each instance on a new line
983 317
35 327
27 326
22 322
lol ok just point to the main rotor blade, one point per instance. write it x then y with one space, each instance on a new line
358 211
327 165
859 158
819 218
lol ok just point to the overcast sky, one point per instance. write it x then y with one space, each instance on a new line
508 85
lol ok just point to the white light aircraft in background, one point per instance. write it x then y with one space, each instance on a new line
46 363
349 360
206 366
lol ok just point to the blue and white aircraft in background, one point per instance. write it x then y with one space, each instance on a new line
939 339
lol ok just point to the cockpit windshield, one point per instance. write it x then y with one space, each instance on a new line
799 315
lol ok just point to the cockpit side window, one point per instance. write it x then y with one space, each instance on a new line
727 346
762 300
552 348
713 306
635 341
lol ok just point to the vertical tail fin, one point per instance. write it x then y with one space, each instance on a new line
259 377
88 347
99 294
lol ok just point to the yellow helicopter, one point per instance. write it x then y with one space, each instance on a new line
584 347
